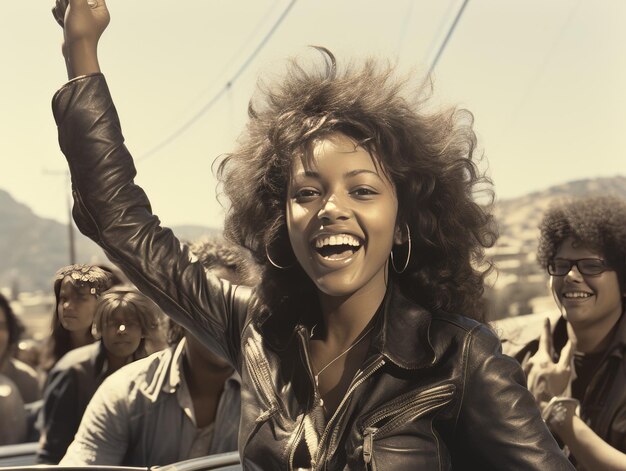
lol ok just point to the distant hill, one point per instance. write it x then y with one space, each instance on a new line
519 218
33 248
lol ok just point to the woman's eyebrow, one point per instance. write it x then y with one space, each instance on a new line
356 172
351 173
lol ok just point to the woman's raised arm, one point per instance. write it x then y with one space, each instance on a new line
113 211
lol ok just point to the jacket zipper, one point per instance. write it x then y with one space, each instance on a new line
412 403
304 348
415 406
359 379
368 447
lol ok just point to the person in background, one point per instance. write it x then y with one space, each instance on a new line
19 384
123 317
23 375
76 291
29 352
577 371
13 415
178 404
157 339
225 258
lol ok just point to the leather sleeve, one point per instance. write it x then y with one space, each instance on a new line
116 213
499 425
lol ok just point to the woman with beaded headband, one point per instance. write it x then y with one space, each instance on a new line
347 362
76 291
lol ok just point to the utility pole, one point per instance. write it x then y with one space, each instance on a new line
70 225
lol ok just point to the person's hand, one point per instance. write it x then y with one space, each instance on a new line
546 378
83 23
82 20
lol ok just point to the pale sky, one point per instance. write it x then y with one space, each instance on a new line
544 79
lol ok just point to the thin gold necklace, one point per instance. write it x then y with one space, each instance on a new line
354 344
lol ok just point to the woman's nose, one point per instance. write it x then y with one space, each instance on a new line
333 209
574 274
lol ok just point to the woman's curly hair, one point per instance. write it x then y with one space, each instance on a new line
597 222
428 158
216 253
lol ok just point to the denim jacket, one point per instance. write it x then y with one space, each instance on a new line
138 416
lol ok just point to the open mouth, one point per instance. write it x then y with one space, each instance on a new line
338 246
577 295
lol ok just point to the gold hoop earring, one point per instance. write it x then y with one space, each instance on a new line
274 263
408 257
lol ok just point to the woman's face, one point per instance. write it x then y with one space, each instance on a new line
121 333
341 217
76 307
586 300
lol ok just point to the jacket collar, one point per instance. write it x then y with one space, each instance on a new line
176 371
172 381
401 331
404 337
164 373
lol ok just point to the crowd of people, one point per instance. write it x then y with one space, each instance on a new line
101 325
341 325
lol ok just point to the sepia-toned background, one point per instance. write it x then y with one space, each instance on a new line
544 79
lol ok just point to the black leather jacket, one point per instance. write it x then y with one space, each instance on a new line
435 392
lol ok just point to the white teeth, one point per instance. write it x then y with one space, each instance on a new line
576 294
339 239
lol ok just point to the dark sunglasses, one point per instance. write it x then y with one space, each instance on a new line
586 266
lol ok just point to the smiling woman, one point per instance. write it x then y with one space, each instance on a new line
348 361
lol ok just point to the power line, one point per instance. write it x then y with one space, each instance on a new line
190 122
234 59
445 21
446 39
532 83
